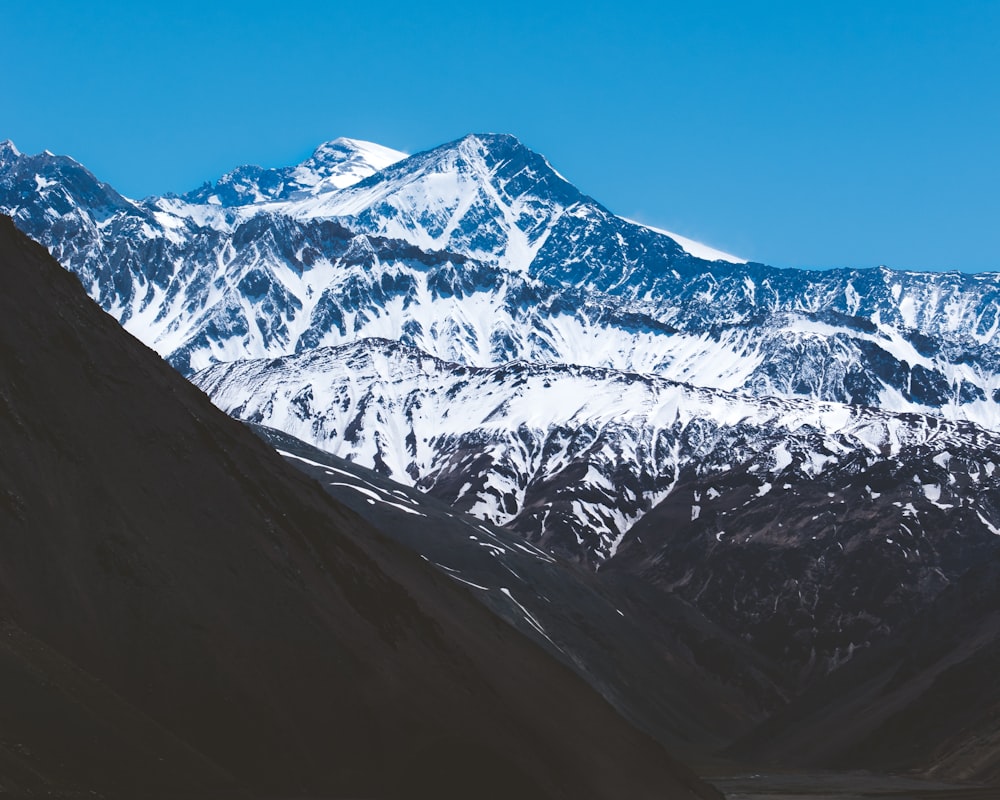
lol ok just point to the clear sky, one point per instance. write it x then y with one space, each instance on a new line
796 133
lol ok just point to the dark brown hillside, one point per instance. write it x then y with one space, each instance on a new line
184 614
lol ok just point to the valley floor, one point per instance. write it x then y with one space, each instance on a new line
841 786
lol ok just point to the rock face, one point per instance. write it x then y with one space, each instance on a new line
185 614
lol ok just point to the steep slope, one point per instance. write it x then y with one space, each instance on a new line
190 615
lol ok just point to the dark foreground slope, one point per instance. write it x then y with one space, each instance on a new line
181 613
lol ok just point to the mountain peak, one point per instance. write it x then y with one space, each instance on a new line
497 151
333 165
509 144
352 152
340 163
493 140
485 196
8 151
495 146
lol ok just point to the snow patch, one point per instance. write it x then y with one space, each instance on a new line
697 249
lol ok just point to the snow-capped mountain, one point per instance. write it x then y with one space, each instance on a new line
271 262
334 165
204 283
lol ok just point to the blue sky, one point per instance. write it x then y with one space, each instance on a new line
795 133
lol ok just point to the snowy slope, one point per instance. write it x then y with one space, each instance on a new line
570 456
697 249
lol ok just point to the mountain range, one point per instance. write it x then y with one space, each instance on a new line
479 252
806 459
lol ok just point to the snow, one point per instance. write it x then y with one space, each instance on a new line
467 582
376 497
375 155
989 526
852 298
943 459
908 311
527 614
697 249
354 160
373 493
782 458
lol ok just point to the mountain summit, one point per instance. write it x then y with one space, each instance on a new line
486 196
333 165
